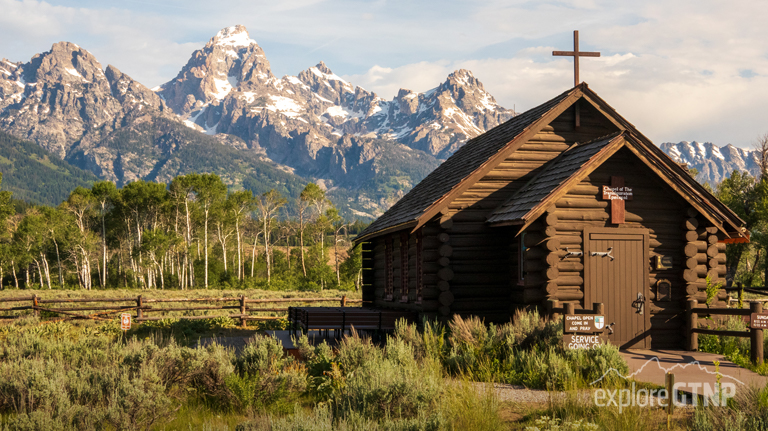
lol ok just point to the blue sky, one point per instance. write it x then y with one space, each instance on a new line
678 70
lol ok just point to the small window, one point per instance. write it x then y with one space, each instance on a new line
521 249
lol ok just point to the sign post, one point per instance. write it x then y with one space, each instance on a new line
582 331
125 322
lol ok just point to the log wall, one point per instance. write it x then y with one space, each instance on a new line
484 260
674 229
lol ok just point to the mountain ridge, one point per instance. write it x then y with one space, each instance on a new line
315 126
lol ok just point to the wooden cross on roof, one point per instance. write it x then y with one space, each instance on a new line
576 54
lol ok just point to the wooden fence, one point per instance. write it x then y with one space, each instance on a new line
242 306
693 311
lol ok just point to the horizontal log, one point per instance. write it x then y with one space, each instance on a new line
570 280
692 235
552 273
551 287
534 239
445 250
538 156
518 164
444 261
712 251
569 295
222 307
722 333
70 300
444 310
570 266
703 311
470 215
218 316
443 285
691 224
693 248
480 308
575 202
446 298
552 244
481 292
23 298
550 147
527 296
446 222
509 174
445 274
533 265
551 219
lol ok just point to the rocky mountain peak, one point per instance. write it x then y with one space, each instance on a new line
230 60
236 36
713 163
130 93
67 63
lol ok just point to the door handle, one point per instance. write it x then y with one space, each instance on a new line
639 303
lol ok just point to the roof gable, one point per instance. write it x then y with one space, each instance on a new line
481 154
423 201
571 167
577 162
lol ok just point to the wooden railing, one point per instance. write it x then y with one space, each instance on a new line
556 308
143 306
693 311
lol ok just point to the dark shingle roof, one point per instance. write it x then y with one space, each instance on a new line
460 165
522 203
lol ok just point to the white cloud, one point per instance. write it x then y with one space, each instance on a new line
682 70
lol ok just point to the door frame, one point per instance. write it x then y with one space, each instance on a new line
589 293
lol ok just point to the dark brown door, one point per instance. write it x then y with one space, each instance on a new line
616 274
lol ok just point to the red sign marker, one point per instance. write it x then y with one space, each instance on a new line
125 321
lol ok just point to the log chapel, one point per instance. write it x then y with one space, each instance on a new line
565 202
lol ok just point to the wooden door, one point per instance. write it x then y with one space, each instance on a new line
616 279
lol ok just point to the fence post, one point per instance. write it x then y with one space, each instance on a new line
35 304
693 323
570 308
741 293
598 308
553 304
139 310
344 300
669 380
756 336
243 322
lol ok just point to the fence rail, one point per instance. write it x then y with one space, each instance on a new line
693 311
141 307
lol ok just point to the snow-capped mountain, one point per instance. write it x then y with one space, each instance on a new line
63 96
713 163
228 87
366 150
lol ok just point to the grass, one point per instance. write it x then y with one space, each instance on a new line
735 349
87 375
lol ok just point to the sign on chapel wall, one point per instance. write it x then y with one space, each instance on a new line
616 194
